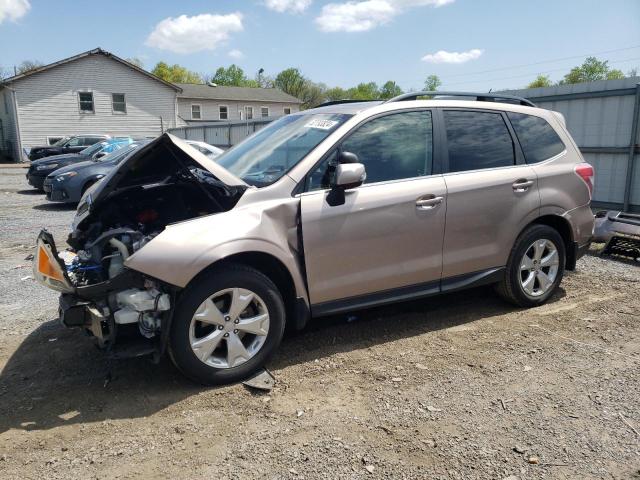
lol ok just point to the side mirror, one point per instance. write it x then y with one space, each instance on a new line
350 175
100 155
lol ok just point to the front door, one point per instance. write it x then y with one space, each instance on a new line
386 237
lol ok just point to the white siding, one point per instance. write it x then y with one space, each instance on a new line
210 108
48 101
8 132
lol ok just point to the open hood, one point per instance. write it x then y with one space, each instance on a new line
157 160
154 163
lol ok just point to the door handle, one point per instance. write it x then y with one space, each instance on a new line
522 185
428 203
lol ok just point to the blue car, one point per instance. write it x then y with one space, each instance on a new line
68 184
39 169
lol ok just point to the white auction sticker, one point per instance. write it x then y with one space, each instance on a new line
322 124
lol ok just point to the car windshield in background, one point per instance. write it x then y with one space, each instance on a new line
118 155
270 153
61 142
96 147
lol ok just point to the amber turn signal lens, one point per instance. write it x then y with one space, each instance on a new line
46 268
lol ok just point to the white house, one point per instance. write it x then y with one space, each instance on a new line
210 103
93 92
97 92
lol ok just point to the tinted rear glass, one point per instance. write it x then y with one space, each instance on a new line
538 139
477 140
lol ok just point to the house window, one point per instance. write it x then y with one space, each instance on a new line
286 110
118 103
223 112
264 111
86 102
248 113
195 112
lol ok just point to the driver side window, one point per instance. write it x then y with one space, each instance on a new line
393 147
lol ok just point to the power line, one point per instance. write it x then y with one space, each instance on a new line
530 74
542 62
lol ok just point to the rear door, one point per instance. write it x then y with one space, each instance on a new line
386 237
492 194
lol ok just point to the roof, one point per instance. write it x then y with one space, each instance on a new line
95 51
241 94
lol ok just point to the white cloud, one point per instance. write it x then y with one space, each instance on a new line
185 34
359 16
442 56
292 6
13 9
235 53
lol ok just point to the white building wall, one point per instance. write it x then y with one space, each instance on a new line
210 108
48 102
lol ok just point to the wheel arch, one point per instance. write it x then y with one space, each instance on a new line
563 227
296 307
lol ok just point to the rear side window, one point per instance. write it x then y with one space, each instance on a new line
477 140
539 141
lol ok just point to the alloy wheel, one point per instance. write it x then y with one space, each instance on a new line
539 267
229 328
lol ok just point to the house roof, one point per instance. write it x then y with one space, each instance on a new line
241 94
95 51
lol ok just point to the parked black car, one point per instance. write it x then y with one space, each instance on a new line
39 169
73 144
68 184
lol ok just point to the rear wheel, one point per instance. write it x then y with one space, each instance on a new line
227 325
535 267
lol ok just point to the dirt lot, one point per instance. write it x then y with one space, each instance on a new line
462 386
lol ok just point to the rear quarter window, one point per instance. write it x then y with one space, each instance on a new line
538 139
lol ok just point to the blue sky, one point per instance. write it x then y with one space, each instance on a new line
336 42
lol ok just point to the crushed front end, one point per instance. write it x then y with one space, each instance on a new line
127 312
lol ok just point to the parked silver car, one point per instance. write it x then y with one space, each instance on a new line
342 207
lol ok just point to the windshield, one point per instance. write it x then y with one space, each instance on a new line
61 142
266 156
118 155
96 147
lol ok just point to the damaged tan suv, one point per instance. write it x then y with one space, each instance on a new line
342 207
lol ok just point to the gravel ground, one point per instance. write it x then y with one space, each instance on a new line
460 386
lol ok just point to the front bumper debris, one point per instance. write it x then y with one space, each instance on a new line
620 232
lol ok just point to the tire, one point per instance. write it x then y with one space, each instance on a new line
211 299
518 286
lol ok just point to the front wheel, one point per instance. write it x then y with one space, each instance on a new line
535 267
226 325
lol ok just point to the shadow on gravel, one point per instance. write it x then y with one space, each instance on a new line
613 258
32 191
55 207
57 377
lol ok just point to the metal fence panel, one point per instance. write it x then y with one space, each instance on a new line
221 134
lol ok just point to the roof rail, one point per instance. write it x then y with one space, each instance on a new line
480 97
346 100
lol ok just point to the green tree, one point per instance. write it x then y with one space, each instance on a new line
291 81
335 93
540 81
389 90
432 83
590 71
364 91
175 73
233 76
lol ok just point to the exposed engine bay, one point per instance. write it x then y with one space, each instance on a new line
159 185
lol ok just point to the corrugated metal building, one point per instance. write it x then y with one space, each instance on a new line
93 92
603 120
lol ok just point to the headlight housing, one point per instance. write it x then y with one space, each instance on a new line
65 176
48 166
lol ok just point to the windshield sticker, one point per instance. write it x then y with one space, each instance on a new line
321 124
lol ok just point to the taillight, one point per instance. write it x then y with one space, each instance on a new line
586 173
